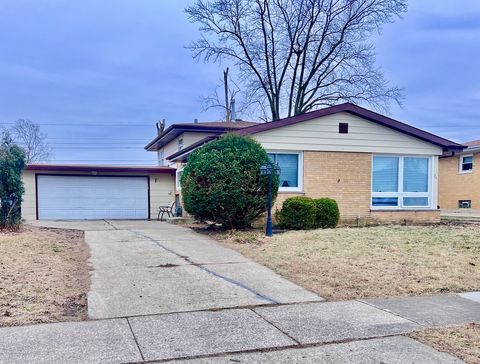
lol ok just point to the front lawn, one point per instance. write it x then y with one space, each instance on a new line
383 261
462 341
44 276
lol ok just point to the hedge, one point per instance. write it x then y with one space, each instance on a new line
304 213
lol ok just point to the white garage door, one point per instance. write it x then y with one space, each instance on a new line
88 197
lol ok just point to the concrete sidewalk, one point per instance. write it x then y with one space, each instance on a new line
292 333
162 292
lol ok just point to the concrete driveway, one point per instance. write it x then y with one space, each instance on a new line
150 267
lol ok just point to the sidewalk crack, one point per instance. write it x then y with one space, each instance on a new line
135 339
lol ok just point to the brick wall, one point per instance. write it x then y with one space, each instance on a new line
346 177
454 186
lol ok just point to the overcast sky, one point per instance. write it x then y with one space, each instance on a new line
97 74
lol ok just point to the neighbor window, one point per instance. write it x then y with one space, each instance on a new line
466 163
180 144
290 170
401 182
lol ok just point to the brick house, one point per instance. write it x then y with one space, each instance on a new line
378 169
459 178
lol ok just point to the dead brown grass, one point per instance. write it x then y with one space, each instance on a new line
44 276
461 341
383 261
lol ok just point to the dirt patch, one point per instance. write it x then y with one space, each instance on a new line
44 276
382 261
461 341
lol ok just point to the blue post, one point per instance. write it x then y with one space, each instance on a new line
269 230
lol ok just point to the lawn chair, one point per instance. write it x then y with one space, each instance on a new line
168 209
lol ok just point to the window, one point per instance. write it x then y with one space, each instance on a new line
180 144
178 178
290 170
401 182
161 160
466 163
465 204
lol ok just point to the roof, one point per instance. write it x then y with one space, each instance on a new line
361 112
98 168
473 143
213 127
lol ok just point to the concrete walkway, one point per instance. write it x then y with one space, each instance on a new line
161 292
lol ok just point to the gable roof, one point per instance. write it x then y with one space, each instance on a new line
473 143
212 127
361 112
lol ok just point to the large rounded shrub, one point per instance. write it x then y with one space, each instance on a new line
221 182
327 213
298 213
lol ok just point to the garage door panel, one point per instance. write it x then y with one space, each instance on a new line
88 197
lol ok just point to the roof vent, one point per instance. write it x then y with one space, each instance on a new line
343 128
195 121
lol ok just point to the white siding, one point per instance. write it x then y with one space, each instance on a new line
322 134
188 139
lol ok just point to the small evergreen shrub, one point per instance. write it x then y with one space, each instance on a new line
328 214
298 213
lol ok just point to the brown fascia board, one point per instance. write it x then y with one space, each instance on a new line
98 168
363 113
178 129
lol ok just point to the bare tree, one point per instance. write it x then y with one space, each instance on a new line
29 137
298 55
226 98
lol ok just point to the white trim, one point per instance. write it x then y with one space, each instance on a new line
400 194
299 171
178 186
460 164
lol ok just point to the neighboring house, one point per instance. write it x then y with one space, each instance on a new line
459 178
377 168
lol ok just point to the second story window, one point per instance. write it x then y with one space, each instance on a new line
466 163
180 144
161 160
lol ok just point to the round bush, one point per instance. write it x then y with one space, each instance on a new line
298 213
327 213
221 182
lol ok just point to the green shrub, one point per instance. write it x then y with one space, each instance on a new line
327 213
298 213
12 162
221 182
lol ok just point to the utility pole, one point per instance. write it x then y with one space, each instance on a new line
227 101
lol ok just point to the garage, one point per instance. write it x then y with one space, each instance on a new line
92 197
59 192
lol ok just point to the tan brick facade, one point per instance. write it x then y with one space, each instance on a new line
454 186
346 177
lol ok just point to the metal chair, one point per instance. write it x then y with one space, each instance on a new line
168 209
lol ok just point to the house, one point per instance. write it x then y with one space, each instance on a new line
459 178
377 168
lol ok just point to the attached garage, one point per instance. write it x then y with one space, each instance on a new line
58 192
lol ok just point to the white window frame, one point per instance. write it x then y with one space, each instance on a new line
161 157
400 194
300 170
460 165
178 185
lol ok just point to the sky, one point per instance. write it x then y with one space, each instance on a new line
97 74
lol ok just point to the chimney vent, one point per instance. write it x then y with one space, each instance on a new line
195 121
